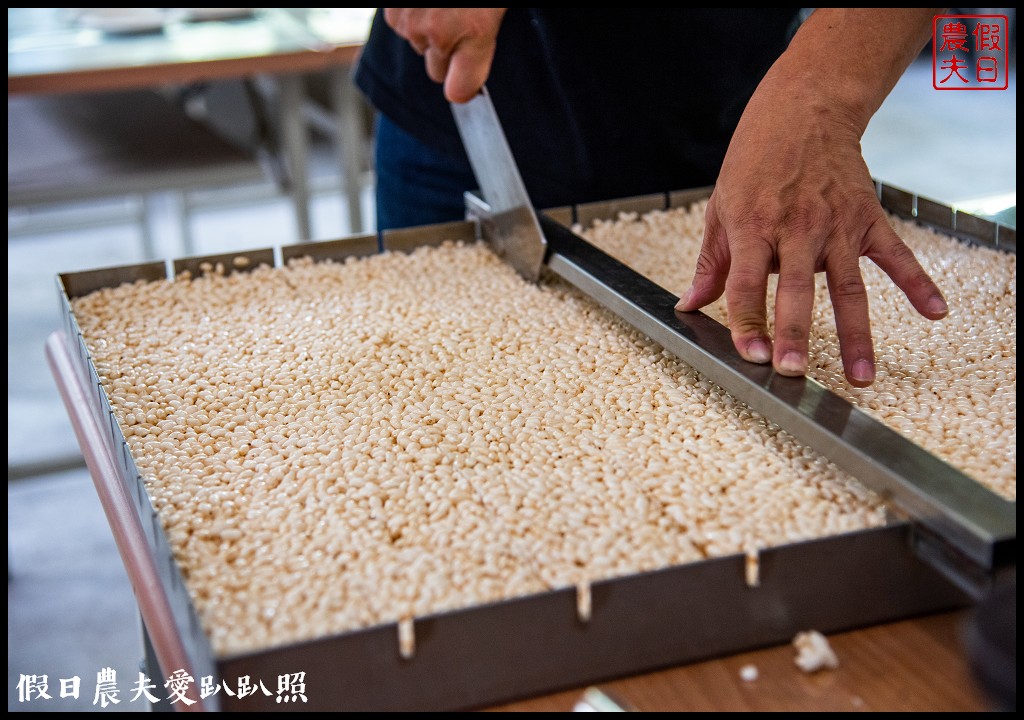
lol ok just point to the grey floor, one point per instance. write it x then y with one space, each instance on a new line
71 611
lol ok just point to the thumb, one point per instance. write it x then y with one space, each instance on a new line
712 266
468 70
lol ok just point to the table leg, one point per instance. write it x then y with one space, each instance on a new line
296 148
349 140
152 670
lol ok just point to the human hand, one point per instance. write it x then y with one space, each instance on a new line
457 44
795 197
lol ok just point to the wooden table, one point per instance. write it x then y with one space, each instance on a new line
48 52
911 665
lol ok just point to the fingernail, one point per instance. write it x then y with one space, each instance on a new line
937 306
793 363
759 351
863 371
684 299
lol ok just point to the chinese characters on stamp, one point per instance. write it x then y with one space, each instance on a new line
969 52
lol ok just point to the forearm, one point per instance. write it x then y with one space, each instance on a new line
853 57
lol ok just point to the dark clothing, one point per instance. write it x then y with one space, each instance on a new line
416 184
596 103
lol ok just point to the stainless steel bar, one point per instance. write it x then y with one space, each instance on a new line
976 521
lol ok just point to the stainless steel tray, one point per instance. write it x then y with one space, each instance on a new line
488 654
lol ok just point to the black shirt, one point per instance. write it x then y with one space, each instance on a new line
597 103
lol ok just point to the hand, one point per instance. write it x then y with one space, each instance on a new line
457 44
795 197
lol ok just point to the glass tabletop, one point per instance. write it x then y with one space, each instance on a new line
66 40
1000 208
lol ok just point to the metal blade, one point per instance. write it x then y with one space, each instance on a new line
515 235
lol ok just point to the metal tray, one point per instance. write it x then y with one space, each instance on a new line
488 654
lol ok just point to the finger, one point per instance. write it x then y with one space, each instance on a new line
469 68
746 291
889 252
407 23
853 322
437 62
794 306
712 269
394 18
419 46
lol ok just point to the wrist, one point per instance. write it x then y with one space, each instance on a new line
851 58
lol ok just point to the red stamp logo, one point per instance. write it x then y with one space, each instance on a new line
969 52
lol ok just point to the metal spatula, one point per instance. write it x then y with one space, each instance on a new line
516 235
